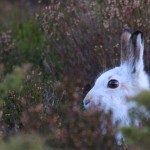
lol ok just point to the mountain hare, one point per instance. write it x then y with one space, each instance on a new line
113 88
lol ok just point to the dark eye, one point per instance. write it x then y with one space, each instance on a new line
113 84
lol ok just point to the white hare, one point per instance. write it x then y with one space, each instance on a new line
113 88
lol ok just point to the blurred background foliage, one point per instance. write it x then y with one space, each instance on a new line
49 51
139 137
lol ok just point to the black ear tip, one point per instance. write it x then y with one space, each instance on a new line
135 34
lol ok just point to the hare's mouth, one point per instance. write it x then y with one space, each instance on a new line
89 104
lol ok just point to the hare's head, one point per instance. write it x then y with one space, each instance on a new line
113 88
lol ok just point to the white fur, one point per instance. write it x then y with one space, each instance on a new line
131 77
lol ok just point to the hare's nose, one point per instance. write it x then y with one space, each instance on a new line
87 102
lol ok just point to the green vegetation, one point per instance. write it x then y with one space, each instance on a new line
24 142
48 53
135 136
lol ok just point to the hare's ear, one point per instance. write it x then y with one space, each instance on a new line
125 37
135 52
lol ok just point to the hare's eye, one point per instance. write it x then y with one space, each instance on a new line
113 84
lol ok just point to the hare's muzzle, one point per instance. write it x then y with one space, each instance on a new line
91 102
87 102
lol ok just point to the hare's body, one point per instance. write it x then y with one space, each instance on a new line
113 88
